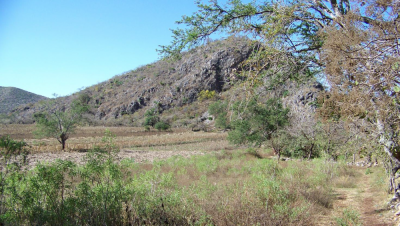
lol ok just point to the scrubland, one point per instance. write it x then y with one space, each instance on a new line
218 184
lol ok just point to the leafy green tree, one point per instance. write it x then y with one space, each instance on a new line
59 122
151 117
257 122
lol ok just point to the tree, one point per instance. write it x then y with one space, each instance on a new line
354 44
59 122
256 122
362 57
279 141
286 34
151 117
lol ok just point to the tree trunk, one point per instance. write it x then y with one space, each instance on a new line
388 144
310 151
279 155
63 138
63 144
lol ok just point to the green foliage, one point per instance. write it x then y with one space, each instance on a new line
206 94
280 143
257 121
10 147
13 158
219 110
151 117
162 126
58 122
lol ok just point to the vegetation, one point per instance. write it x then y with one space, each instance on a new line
206 94
219 110
162 126
349 217
352 45
199 190
59 122
256 122
151 117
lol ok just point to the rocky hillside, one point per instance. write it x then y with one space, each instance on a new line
11 97
163 84
172 87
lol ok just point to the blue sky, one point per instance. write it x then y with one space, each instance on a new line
59 46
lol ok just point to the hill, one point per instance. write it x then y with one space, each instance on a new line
172 87
11 97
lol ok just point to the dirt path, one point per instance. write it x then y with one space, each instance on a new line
364 200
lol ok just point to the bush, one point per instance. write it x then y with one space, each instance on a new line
151 118
206 94
220 110
162 126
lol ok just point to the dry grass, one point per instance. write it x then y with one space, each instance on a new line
86 138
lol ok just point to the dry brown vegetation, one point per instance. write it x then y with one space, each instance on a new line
86 138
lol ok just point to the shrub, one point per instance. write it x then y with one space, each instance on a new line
162 126
220 110
206 94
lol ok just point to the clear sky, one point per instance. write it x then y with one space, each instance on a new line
59 46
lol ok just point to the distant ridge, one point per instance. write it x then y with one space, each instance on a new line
11 97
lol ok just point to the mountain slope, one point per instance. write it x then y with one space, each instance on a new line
11 97
171 87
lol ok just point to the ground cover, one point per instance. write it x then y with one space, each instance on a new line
184 178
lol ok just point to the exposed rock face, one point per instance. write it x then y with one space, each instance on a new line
177 83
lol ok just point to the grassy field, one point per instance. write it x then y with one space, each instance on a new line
217 184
